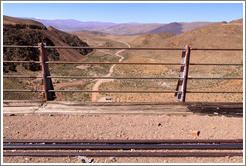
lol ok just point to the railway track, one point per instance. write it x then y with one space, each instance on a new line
122 148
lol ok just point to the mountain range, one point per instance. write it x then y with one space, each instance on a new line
69 25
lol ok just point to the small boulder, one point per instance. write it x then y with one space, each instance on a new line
112 159
84 159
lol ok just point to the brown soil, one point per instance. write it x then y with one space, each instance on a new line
122 127
60 85
146 126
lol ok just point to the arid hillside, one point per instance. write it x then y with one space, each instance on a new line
24 23
28 32
150 39
217 35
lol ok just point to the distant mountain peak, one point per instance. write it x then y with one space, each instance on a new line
131 28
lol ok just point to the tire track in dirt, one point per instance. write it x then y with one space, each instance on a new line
96 86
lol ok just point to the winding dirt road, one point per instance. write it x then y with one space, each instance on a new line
111 70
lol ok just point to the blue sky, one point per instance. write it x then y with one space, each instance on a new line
128 12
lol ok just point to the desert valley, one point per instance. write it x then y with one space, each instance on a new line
126 126
214 35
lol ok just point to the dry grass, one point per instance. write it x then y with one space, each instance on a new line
212 36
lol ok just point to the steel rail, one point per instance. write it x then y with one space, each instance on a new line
125 48
20 76
124 154
119 146
215 49
18 46
140 48
89 91
87 77
21 62
112 48
142 91
124 63
92 77
134 63
21 90
216 78
111 91
110 63
213 92
117 141
218 64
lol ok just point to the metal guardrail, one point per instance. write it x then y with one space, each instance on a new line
49 92
122 48
88 77
123 63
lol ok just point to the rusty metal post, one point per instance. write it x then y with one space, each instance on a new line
46 82
182 82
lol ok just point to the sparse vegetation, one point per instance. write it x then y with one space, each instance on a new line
13 83
211 36
76 96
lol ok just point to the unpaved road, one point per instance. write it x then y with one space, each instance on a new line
111 70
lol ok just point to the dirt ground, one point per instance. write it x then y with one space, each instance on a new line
139 126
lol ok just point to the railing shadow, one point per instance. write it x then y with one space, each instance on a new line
223 109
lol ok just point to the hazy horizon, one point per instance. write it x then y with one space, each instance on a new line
112 22
118 13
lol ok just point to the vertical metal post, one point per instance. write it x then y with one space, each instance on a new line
182 82
41 59
46 83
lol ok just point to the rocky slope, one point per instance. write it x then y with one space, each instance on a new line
28 32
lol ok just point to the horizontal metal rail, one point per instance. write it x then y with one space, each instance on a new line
117 141
89 91
124 63
140 63
111 63
88 77
125 48
21 90
32 147
218 64
142 91
139 48
215 49
18 46
21 62
20 76
124 154
215 78
111 91
213 92
119 146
